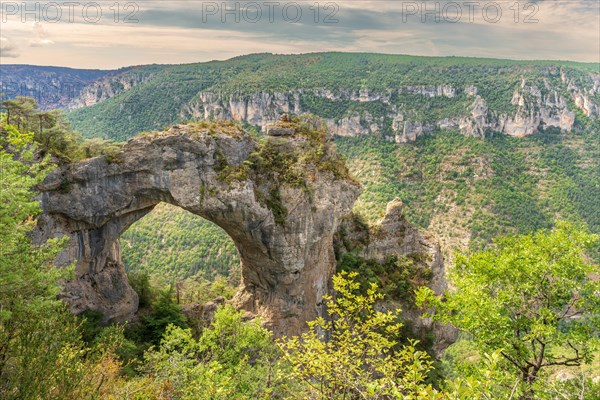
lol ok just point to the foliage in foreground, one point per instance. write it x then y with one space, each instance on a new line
231 359
534 298
42 354
360 356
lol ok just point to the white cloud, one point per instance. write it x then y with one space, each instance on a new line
7 48
40 36
173 32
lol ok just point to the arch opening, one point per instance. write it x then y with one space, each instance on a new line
178 244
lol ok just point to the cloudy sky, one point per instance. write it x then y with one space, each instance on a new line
99 34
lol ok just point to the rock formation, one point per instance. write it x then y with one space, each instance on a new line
474 100
283 229
393 235
109 86
535 108
51 87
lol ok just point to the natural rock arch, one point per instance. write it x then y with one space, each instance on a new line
283 231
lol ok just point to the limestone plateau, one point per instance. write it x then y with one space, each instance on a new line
534 108
399 98
282 220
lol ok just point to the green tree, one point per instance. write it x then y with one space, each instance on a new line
232 359
356 353
165 312
20 111
482 380
42 353
533 297
53 134
40 346
140 282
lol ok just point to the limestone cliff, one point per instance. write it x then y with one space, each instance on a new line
109 86
536 105
393 235
51 87
280 201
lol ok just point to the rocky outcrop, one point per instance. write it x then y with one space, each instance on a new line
583 102
535 107
409 131
202 314
51 87
260 108
431 91
396 236
354 124
393 235
351 125
108 87
583 92
285 244
534 110
471 90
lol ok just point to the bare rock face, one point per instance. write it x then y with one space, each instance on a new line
109 86
52 87
535 104
283 232
393 235
278 131
203 314
411 131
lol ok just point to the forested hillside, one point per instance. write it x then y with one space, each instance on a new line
435 132
528 304
175 243
392 95
468 190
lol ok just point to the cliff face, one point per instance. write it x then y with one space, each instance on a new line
393 235
398 98
536 105
287 257
52 87
107 87
535 109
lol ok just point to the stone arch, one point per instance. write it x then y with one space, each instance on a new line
287 258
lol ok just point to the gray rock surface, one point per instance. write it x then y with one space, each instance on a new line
286 267
278 131
536 105
394 235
